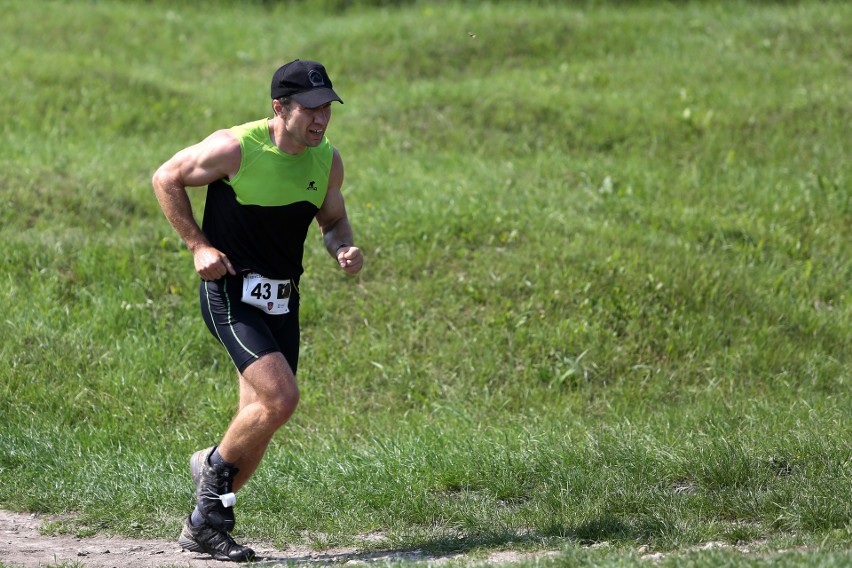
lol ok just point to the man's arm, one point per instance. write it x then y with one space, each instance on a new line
215 157
334 223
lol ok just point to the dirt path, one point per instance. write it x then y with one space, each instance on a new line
22 545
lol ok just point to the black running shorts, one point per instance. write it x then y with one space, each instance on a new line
246 331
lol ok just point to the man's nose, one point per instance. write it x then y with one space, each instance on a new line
323 117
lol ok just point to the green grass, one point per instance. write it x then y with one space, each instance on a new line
606 294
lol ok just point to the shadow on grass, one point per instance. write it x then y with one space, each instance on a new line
606 529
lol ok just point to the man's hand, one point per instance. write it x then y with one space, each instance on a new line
211 263
350 259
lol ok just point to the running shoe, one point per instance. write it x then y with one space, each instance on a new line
198 458
216 543
211 483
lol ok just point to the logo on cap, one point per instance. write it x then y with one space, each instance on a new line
315 77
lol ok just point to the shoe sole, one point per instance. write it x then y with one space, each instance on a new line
190 545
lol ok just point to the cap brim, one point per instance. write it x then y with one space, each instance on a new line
316 97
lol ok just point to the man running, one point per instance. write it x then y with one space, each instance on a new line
266 182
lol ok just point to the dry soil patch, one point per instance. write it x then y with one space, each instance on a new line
21 544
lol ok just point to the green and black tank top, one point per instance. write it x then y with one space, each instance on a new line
261 217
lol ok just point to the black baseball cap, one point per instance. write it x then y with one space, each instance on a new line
304 81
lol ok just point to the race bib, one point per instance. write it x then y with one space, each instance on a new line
271 296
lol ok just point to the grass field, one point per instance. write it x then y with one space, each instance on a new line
606 299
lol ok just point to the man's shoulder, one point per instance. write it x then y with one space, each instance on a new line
223 143
221 150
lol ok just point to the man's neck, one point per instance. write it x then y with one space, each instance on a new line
279 137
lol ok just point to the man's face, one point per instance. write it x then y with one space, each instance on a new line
306 126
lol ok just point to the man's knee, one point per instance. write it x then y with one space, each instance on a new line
282 406
273 386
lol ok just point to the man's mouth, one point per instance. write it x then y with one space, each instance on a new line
317 132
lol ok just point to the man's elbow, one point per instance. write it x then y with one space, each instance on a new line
162 179
157 178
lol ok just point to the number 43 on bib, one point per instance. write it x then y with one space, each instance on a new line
271 296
